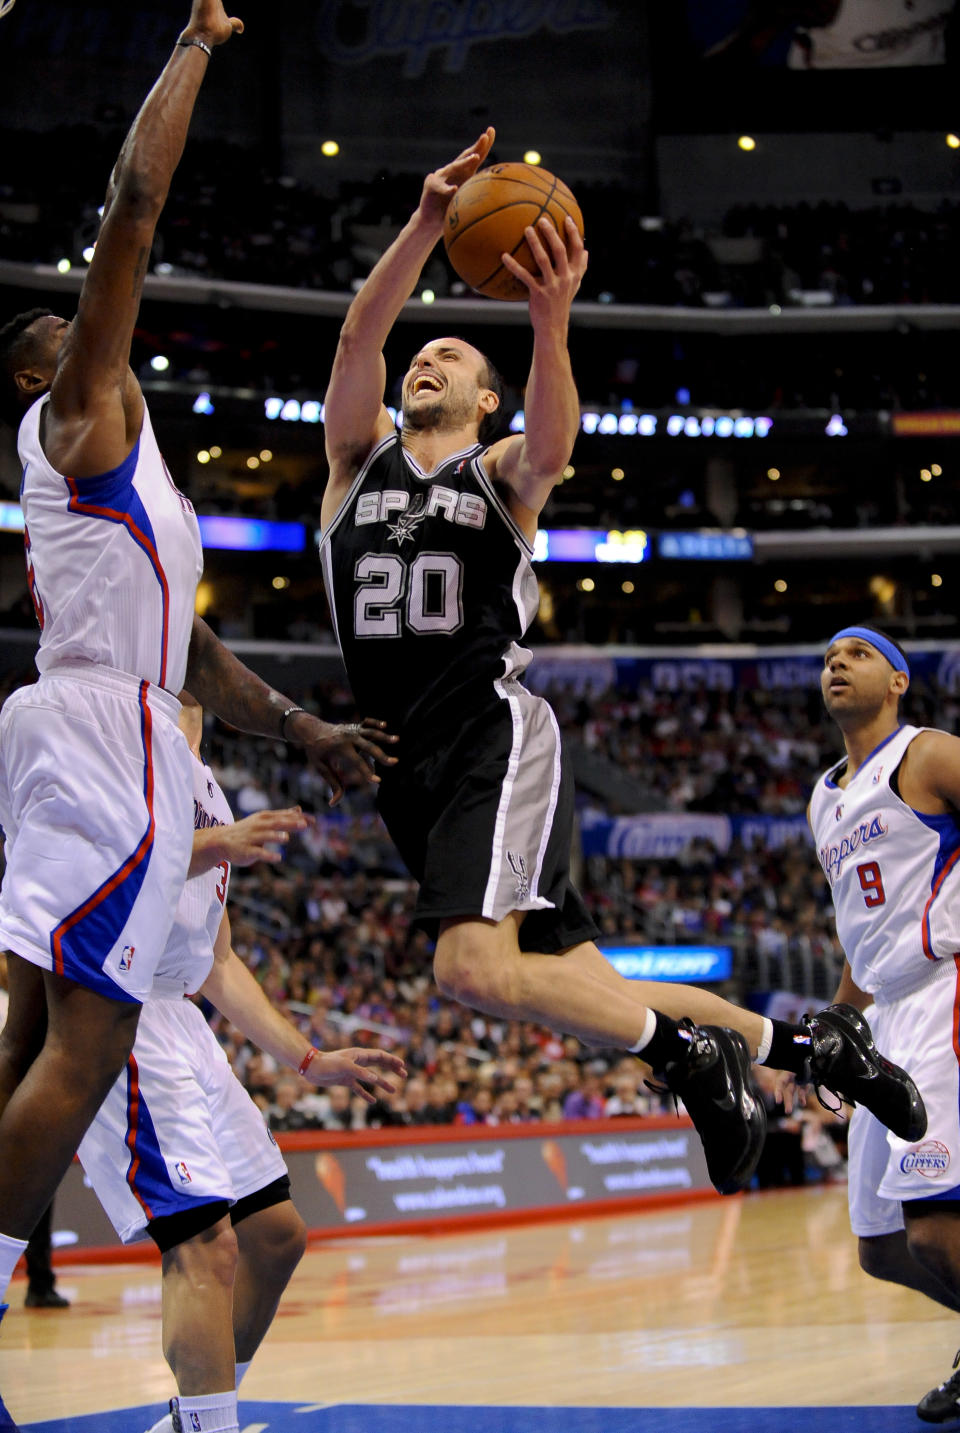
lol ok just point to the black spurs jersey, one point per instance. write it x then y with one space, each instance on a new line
430 586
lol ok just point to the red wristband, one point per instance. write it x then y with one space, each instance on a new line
304 1065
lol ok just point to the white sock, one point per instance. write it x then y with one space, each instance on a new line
242 1371
649 1027
206 1413
10 1251
766 1040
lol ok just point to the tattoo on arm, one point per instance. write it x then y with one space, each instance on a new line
221 682
139 273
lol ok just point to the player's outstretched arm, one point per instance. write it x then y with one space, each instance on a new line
530 465
232 989
96 407
242 843
354 416
342 754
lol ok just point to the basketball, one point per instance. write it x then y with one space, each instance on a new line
487 216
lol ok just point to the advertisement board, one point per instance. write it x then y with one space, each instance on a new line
377 1181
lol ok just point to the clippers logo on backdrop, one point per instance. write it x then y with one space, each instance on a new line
929 1159
126 957
183 1173
832 857
519 868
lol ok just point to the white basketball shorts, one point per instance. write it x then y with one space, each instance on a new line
96 807
177 1128
919 1032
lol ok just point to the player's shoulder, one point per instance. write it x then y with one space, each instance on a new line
931 745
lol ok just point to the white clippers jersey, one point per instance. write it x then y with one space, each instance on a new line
188 956
894 872
112 562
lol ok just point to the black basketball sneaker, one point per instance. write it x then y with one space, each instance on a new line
844 1059
714 1081
942 1404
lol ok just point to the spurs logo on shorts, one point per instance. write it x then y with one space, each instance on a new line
519 868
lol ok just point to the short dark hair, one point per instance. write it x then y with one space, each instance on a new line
490 423
14 348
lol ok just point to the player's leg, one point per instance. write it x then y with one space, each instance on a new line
49 1111
198 1281
888 1257
21 1039
878 1222
88 896
480 964
578 992
271 1241
905 1201
490 839
933 1244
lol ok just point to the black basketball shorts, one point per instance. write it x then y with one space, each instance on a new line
483 819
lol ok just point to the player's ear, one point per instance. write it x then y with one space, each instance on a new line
488 400
899 683
31 382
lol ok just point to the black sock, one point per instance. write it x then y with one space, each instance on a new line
789 1048
666 1044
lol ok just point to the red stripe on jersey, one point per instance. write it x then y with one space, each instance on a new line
925 922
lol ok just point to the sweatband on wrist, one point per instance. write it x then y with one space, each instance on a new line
200 44
307 1060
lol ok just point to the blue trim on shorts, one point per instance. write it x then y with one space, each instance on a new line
83 939
929 1198
147 1174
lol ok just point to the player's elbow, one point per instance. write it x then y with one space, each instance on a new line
137 194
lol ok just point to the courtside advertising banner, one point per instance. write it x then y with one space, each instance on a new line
374 1180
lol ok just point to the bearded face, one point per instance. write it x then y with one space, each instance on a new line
442 387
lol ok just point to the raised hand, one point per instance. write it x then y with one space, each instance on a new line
562 263
341 753
440 186
211 23
362 1071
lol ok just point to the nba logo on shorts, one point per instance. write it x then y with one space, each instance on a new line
195 1422
126 957
183 1173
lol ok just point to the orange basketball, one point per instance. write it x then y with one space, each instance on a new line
487 216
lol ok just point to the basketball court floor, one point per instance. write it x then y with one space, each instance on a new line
747 1315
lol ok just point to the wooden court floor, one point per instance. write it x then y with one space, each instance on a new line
750 1303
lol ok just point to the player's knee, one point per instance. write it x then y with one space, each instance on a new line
931 1246
469 967
875 1258
289 1241
211 1255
